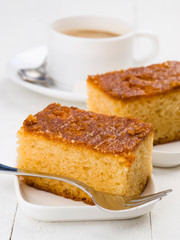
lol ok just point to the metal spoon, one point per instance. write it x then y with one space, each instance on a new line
36 75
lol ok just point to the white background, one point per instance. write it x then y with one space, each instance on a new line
23 25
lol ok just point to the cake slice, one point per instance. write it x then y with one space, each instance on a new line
108 153
150 93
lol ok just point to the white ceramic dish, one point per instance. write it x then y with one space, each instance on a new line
166 155
45 206
33 58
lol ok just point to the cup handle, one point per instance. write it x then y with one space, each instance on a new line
154 39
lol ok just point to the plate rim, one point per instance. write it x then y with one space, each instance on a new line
165 159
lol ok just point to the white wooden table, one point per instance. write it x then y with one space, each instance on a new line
19 20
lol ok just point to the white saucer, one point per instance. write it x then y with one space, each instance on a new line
166 155
45 206
33 58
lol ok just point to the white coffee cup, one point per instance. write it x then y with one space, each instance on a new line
71 59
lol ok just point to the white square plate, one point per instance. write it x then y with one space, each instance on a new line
45 206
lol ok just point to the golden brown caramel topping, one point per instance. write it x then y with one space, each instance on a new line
108 134
142 81
30 120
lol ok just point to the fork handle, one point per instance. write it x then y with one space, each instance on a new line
4 169
8 169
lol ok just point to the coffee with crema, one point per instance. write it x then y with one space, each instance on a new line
86 33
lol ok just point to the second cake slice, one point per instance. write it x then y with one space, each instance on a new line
108 153
150 93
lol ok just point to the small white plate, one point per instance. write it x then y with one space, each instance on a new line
45 206
33 58
166 155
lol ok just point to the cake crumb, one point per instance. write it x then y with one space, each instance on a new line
31 120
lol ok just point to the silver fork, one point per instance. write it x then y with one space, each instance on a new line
103 200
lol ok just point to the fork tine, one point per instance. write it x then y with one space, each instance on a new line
135 204
148 199
156 195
